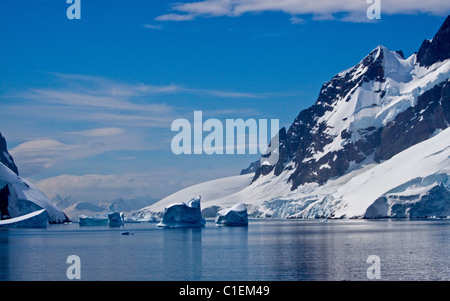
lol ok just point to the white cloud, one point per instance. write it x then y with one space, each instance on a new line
175 17
37 155
297 20
100 132
354 8
81 116
151 26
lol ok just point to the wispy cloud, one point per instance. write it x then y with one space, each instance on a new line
175 17
96 115
152 26
353 9
36 155
100 132
297 20
98 99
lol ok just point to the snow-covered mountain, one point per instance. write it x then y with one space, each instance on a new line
374 144
19 197
376 109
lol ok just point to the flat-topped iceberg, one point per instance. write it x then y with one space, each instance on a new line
183 215
233 216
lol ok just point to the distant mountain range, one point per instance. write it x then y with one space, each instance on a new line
355 152
73 208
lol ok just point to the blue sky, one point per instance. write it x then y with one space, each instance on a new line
86 105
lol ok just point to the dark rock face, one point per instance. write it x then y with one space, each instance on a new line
438 49
5 157
251 168
417 123
4 201
308 136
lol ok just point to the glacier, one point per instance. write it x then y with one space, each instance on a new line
234 216
183 215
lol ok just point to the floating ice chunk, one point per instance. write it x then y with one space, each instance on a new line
115 219
97 220
233 216
183 215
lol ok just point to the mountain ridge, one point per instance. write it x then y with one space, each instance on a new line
355 152
357 115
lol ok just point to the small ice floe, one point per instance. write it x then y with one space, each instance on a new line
183 215
233 216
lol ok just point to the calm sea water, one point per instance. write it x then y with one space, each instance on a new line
265 250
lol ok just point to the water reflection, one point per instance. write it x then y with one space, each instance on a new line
182 253
4 255
227 253
265 250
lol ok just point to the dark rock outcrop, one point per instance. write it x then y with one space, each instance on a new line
5 157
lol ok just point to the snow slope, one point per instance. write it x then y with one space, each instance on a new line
25 198
408 180
424 165
208 191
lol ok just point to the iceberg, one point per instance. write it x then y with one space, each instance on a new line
115 219
183 215
233 216
97 220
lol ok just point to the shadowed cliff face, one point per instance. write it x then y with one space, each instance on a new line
5 157
436 50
